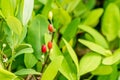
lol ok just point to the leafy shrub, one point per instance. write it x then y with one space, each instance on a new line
59 39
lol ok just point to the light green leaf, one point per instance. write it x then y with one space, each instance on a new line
72 5
99 39
112 59
102 70
47 8
23 48
52 68
93 17
65 68
26 72
89 62
27 10
7 8
28 62
55 51
110 22
112 76
14 24
95 47
36 32
6 75
72 53
1 14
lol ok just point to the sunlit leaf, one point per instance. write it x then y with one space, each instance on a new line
102 70
72 53
14 24
6 75
112 59
95 47
93 17
26 72
99 39
110 22
89 62
52 69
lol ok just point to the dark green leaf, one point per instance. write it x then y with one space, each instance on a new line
36 31
71 29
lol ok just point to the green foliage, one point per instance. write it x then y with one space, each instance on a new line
85 39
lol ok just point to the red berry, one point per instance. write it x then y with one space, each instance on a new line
49 45
44 49
50 27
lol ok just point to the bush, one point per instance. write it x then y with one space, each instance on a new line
59 39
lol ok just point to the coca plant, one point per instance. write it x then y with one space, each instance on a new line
59 40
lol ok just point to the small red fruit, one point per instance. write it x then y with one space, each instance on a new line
44 49
49 45
50 27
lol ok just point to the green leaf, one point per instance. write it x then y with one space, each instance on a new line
72 53
89 62
26 72
112 76
7 8
71 29
66 68
110 22
91 4
95 47
36 31
23 48
93 17
27 10
1 14
112 59
47 8
102 70
52 68
72 5
28 62
6 75
99 39
55 52
61 17
14 24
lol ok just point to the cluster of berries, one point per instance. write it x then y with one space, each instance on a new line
51 30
